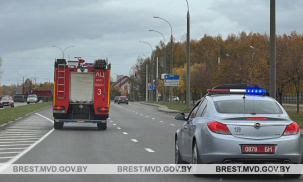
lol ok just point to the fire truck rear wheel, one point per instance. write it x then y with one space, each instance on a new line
58 125
101 126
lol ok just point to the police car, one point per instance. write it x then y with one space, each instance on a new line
238 124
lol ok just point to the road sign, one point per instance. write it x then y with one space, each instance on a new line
171 77
152 87
171 83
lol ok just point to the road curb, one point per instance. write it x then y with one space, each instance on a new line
162 108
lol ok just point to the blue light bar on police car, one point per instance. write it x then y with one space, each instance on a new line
253 91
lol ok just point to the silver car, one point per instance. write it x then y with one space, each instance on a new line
236 126
32 98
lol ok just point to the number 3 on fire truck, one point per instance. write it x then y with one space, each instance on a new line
99 92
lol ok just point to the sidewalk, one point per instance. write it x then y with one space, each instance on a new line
162 108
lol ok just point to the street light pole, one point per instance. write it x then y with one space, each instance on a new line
171 57
164 65
272 67
151 64
63 50
188 59
23 81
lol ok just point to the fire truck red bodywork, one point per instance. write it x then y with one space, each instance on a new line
81 93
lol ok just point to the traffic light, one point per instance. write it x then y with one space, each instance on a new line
135 74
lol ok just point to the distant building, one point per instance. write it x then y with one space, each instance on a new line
122 82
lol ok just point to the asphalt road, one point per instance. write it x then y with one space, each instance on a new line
136 134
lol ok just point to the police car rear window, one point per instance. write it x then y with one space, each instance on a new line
247 107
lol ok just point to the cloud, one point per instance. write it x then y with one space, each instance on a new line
113 29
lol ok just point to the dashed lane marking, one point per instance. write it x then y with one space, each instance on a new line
172 124
118 128
134 140
161 121
149 150
125 133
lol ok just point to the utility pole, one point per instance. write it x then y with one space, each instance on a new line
188 60
272 67
146 83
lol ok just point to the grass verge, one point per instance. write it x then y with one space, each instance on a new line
12 113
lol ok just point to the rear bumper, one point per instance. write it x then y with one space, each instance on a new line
227 149
78 121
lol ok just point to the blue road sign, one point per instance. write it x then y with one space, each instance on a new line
171 77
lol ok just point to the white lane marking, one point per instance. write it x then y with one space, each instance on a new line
17 139
12 137
172 124
31 147
19 132
153 119
12 149
134 140
125 133
118 128
149 150
7 157
18 142
13 145
141 114
18 135
9 153
114 124
137 113
45 118
161 121
108 118
146 116
111 121
13 129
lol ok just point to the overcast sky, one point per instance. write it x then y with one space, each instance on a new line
113 28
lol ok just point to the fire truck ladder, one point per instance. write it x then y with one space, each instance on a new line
61 81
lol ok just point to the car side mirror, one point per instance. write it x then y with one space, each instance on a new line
180 116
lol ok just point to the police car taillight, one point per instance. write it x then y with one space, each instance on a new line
219 128
291 129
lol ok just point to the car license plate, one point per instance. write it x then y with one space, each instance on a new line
258 149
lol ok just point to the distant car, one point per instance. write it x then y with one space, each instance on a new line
123 99
175 98
6 100
238 125
116 99
32 98
19 98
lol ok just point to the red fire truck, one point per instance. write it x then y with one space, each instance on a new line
81 92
